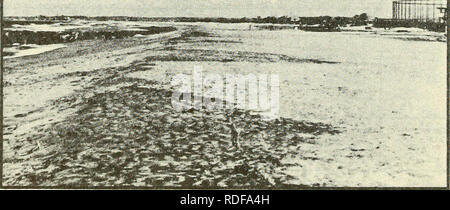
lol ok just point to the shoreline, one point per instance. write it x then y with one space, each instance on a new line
88 85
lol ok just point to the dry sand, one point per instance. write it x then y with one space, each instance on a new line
358 110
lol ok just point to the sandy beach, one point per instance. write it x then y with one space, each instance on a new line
354 112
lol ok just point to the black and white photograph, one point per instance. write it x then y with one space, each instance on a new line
224 94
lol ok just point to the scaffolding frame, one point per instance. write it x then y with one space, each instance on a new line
418 10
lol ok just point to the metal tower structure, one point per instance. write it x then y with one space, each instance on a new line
419 10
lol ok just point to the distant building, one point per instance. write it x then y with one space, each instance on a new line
420 10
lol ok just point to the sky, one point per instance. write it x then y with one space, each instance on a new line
198 8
